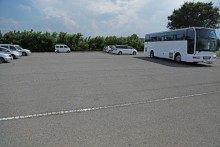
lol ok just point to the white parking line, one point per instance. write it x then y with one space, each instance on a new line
102 107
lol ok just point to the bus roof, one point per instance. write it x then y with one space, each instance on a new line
181 29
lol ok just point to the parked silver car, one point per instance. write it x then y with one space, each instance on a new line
14 54
13 47
107 48
5 57
25 52
124 49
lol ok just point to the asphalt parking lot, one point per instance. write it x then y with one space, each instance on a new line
96 99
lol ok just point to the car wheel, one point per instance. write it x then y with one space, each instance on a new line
13 56
151 54
68 51
134 53
24 54
120 53
177 58
2 60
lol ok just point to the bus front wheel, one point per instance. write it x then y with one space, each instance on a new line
152 54
178 58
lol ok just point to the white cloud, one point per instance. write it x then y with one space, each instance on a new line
8 21
25 7
123 11
60 14
108 17
8 24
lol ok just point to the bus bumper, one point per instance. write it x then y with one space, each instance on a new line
204 59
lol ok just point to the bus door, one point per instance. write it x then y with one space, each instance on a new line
190 41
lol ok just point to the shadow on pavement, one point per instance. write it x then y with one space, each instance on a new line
170 63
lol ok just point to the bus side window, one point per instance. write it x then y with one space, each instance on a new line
179 37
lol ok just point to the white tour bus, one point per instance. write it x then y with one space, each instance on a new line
193 44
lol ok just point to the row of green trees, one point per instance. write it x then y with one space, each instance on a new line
45 41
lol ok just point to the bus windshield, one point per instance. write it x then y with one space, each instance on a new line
206 40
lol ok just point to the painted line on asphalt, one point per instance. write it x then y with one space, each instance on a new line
102 107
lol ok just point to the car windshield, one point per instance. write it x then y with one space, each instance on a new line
18 47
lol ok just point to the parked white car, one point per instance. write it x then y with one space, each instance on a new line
14 54
13 47
5 57
62 48
124 49
25 52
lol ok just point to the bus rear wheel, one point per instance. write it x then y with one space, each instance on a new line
151 54
177 58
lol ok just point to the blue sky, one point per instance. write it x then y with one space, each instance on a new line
89 17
